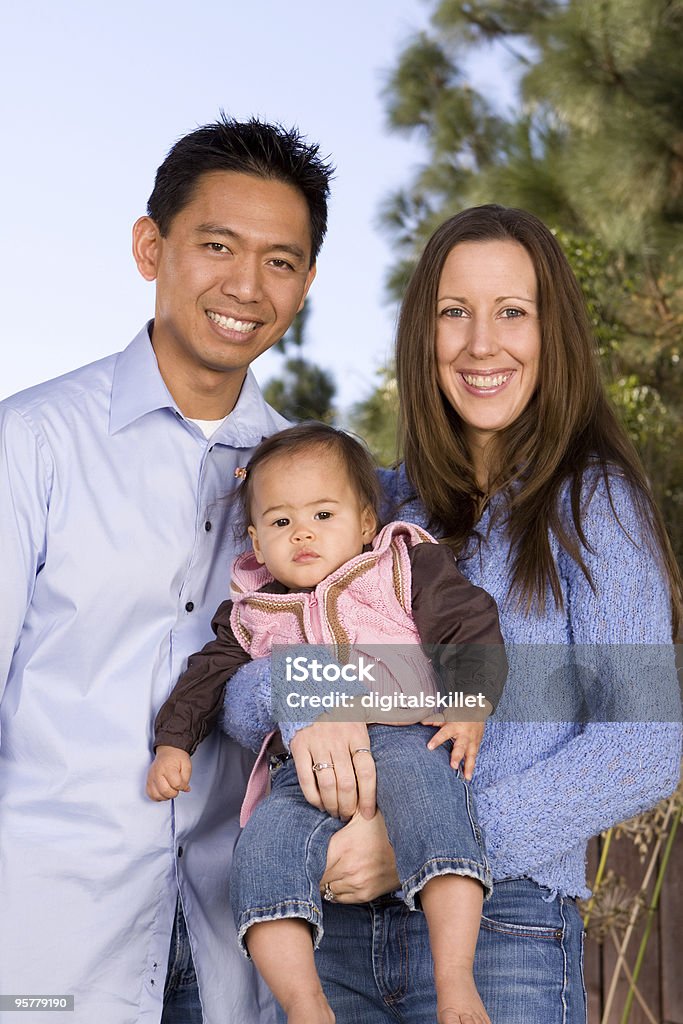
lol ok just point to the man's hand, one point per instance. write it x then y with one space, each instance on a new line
169 774
466 736
348 786
360 861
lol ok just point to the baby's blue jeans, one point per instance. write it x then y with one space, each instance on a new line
429 812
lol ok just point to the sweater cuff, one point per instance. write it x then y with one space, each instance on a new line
288 731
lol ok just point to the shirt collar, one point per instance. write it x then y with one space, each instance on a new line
251 420
138 388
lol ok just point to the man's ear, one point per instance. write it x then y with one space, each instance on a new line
255 545
309 281
368 522
146 247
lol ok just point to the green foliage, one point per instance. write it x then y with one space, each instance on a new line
304 391
594 147
376 419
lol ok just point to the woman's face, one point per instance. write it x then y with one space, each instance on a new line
488 335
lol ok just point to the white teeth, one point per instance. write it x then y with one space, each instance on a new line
486 382
227 322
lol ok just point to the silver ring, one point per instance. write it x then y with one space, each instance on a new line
319 765
361 750
327 893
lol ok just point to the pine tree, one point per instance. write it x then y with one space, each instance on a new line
304 391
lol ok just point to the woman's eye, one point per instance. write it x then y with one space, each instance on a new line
323 515
512 314
454 312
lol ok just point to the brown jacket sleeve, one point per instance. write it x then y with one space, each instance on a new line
458 625
192 709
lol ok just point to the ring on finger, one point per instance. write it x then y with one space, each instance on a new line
361 750
320 765
327 893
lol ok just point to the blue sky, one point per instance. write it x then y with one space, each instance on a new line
94 97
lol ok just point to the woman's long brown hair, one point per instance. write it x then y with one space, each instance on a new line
567 428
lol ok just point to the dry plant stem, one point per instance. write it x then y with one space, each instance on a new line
598 875
651 911
623 945
636 991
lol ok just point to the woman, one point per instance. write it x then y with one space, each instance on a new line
515 459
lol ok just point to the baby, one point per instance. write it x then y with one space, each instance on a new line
320 573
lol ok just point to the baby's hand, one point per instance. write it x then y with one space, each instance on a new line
466 736
169 774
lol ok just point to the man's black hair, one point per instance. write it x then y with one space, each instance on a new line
248 147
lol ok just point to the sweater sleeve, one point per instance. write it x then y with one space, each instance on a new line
247 710
610 770
194 705
252 709
458 625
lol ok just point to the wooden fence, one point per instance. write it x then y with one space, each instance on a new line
658 996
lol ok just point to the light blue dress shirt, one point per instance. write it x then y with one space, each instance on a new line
116 540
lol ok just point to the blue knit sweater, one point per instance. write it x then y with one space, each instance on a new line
543 788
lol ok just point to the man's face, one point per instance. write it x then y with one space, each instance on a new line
231 274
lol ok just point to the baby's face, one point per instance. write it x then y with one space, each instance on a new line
307 518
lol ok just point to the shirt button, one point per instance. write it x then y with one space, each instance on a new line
180 851
207 526
189 607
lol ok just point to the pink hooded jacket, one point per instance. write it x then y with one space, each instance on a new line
365 602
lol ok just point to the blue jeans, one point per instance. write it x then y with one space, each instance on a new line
375 962
428 808
181 994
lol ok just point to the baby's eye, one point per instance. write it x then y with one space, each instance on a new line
323 515
281 522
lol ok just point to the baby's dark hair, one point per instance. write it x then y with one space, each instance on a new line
305 437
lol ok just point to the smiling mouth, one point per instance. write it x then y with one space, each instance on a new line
229 323
486 381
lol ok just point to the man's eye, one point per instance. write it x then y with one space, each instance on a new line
281 263
218 247
323 515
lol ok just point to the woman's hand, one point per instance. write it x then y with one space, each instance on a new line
360 862
349 783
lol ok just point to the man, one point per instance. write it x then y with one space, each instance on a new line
116 547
